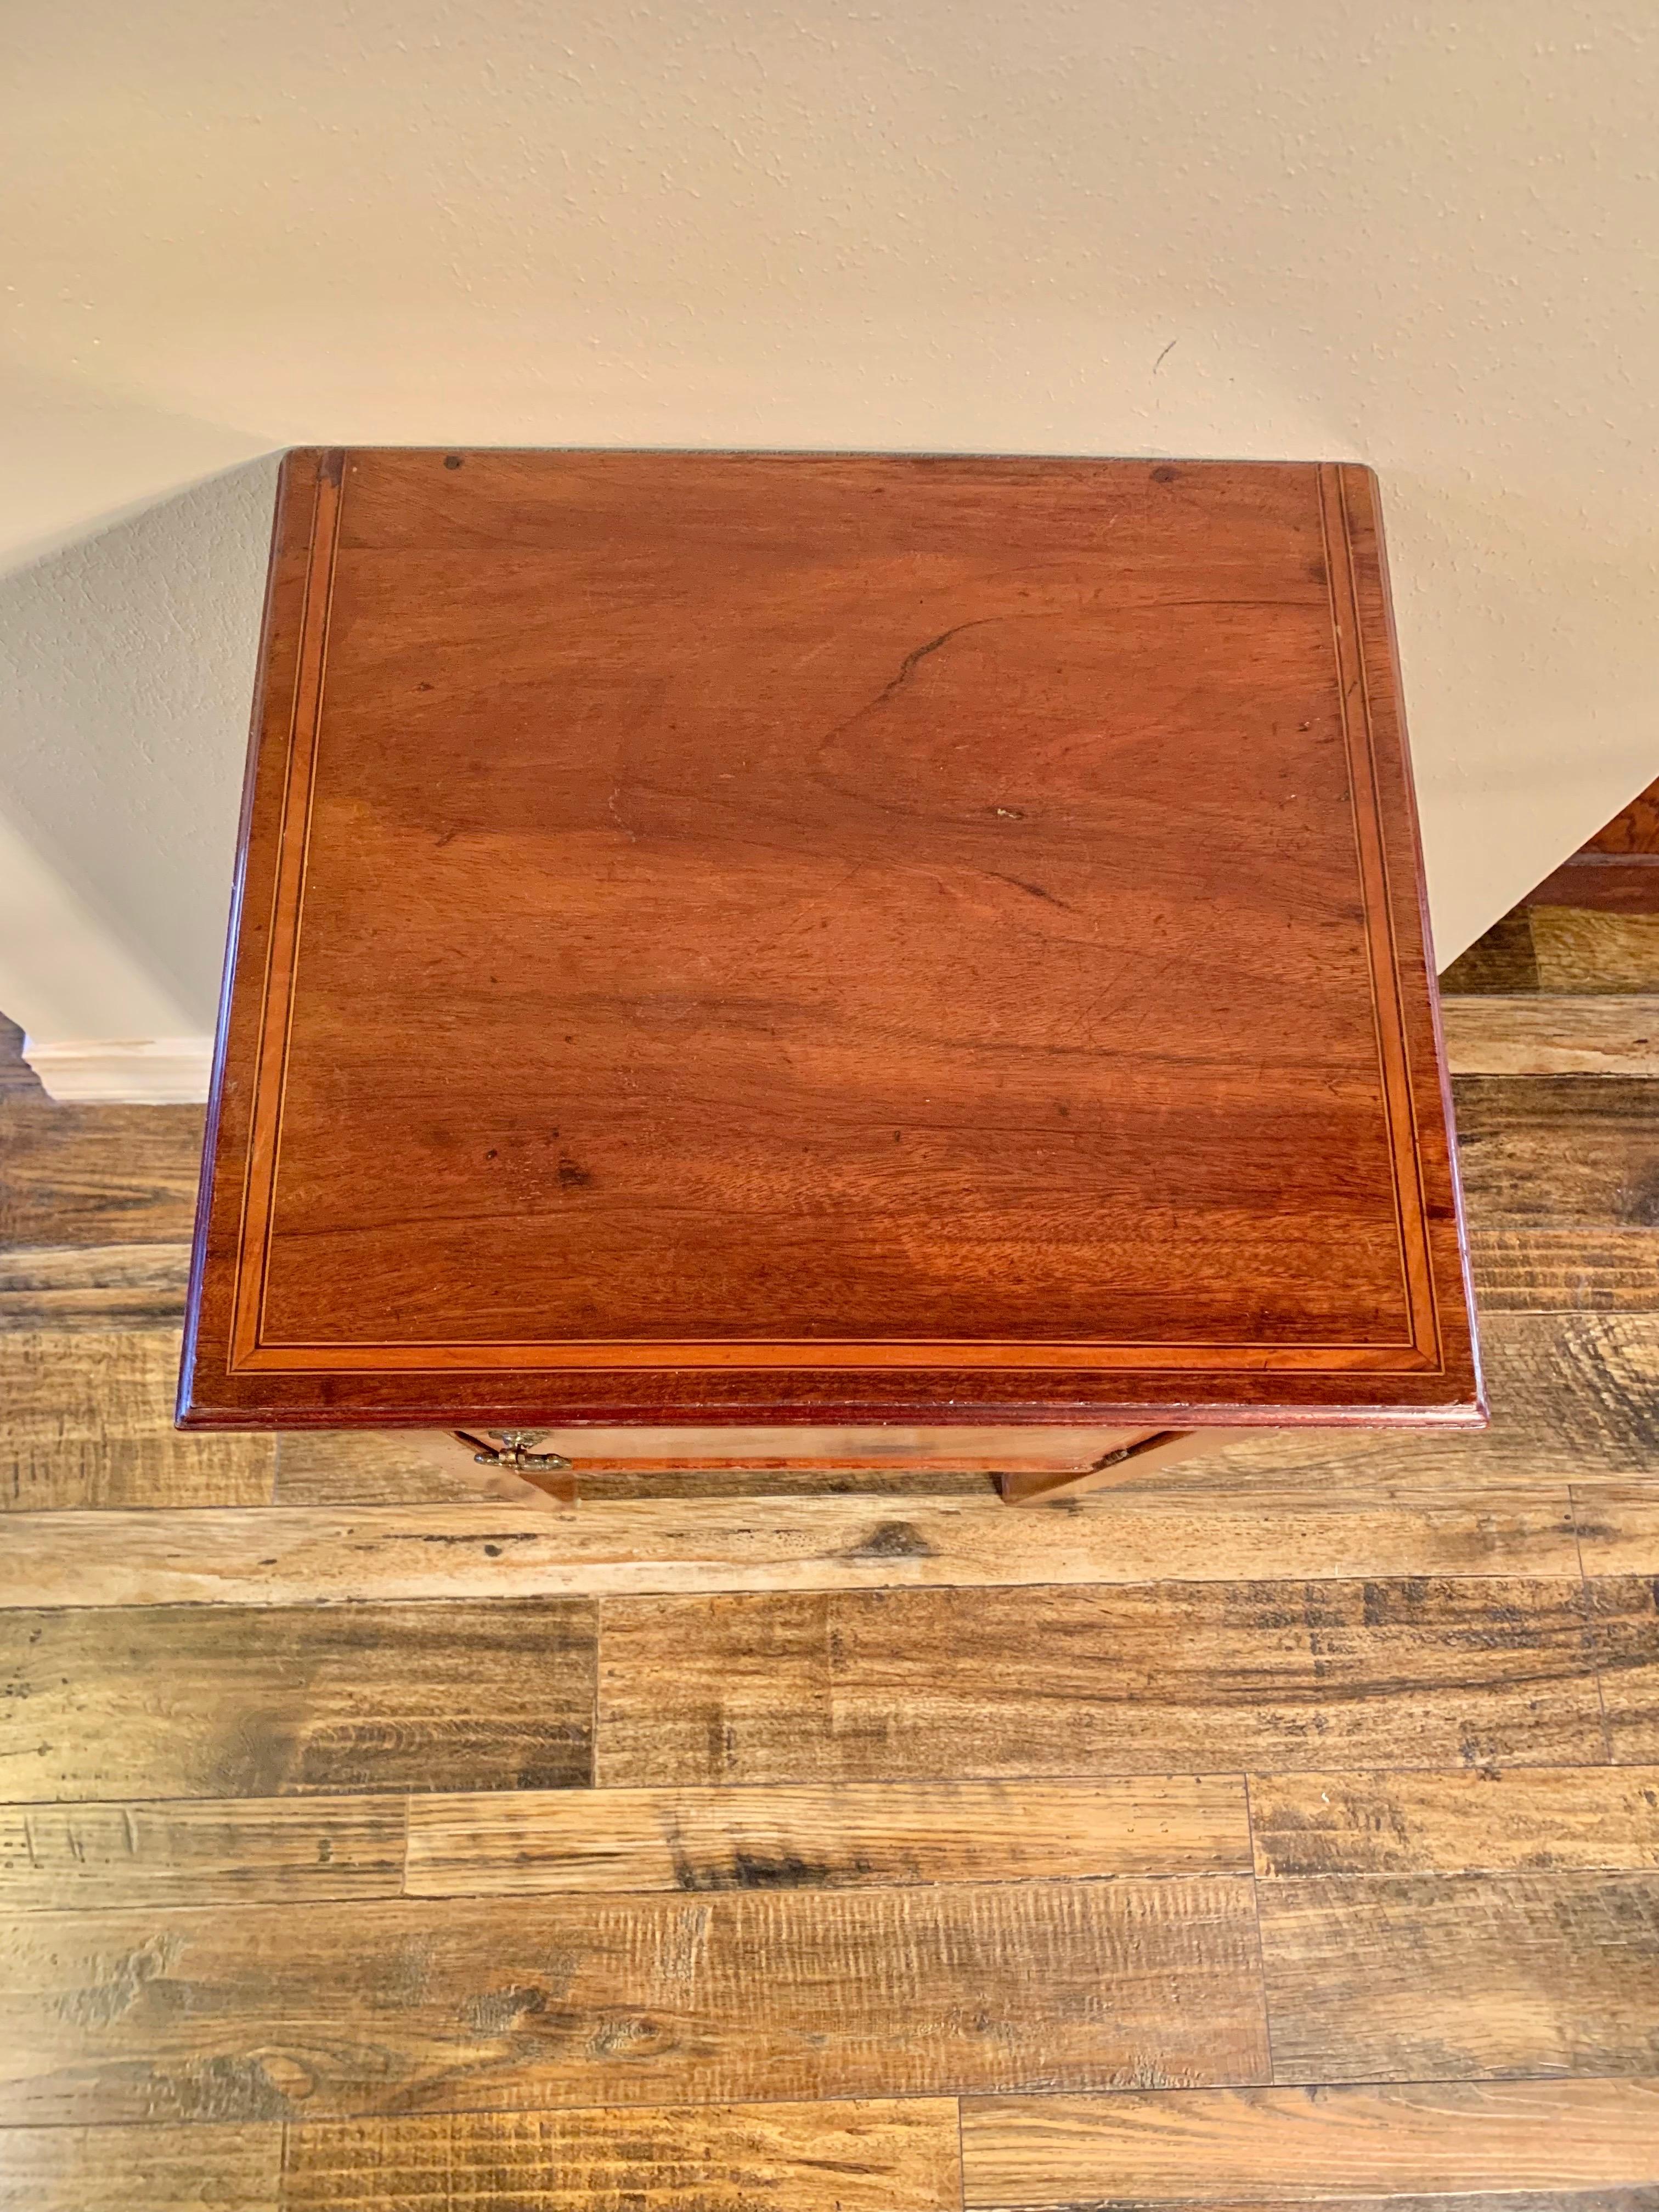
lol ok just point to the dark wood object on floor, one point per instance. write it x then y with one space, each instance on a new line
859 948
1618 870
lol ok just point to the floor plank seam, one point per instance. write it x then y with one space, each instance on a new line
1005 1776
1255 1916
1593 1638
1311 1494
1348 1578
1556 2080
301 1906
596 1660
895 2096
1142 1875
403 1867
1578 1534
1001 1777
81 1915
596 1763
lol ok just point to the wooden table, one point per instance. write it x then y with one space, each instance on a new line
826 959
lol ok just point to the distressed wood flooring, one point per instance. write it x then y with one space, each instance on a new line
1285 1832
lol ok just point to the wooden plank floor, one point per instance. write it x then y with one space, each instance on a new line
1283 1832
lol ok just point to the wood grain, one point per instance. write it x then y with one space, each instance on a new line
876 1047
274 1702
88 1422
140 2169
1233 2146
1571 1393
1384 1977
1543 1269
861 1836
305 1986
1554 1035
1560 1149
1617 1525
348 1466
1535 1819
225 1851
1501 961
754 1700
302 1555
1618 870
1622 883
1634 829
486 2005
97 1175
1581 951
896 2154
925 1684
93 1286
1624 1612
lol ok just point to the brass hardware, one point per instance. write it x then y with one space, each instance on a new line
515 1452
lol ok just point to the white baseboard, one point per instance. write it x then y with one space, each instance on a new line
123 1071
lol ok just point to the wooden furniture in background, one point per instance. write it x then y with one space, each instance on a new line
1618 870
861 959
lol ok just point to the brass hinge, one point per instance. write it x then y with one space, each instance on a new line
516 1451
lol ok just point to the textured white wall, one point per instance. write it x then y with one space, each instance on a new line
1414 234
126 668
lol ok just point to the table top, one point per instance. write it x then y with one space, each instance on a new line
819 937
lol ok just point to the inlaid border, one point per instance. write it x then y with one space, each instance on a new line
252 1353
1387 1003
